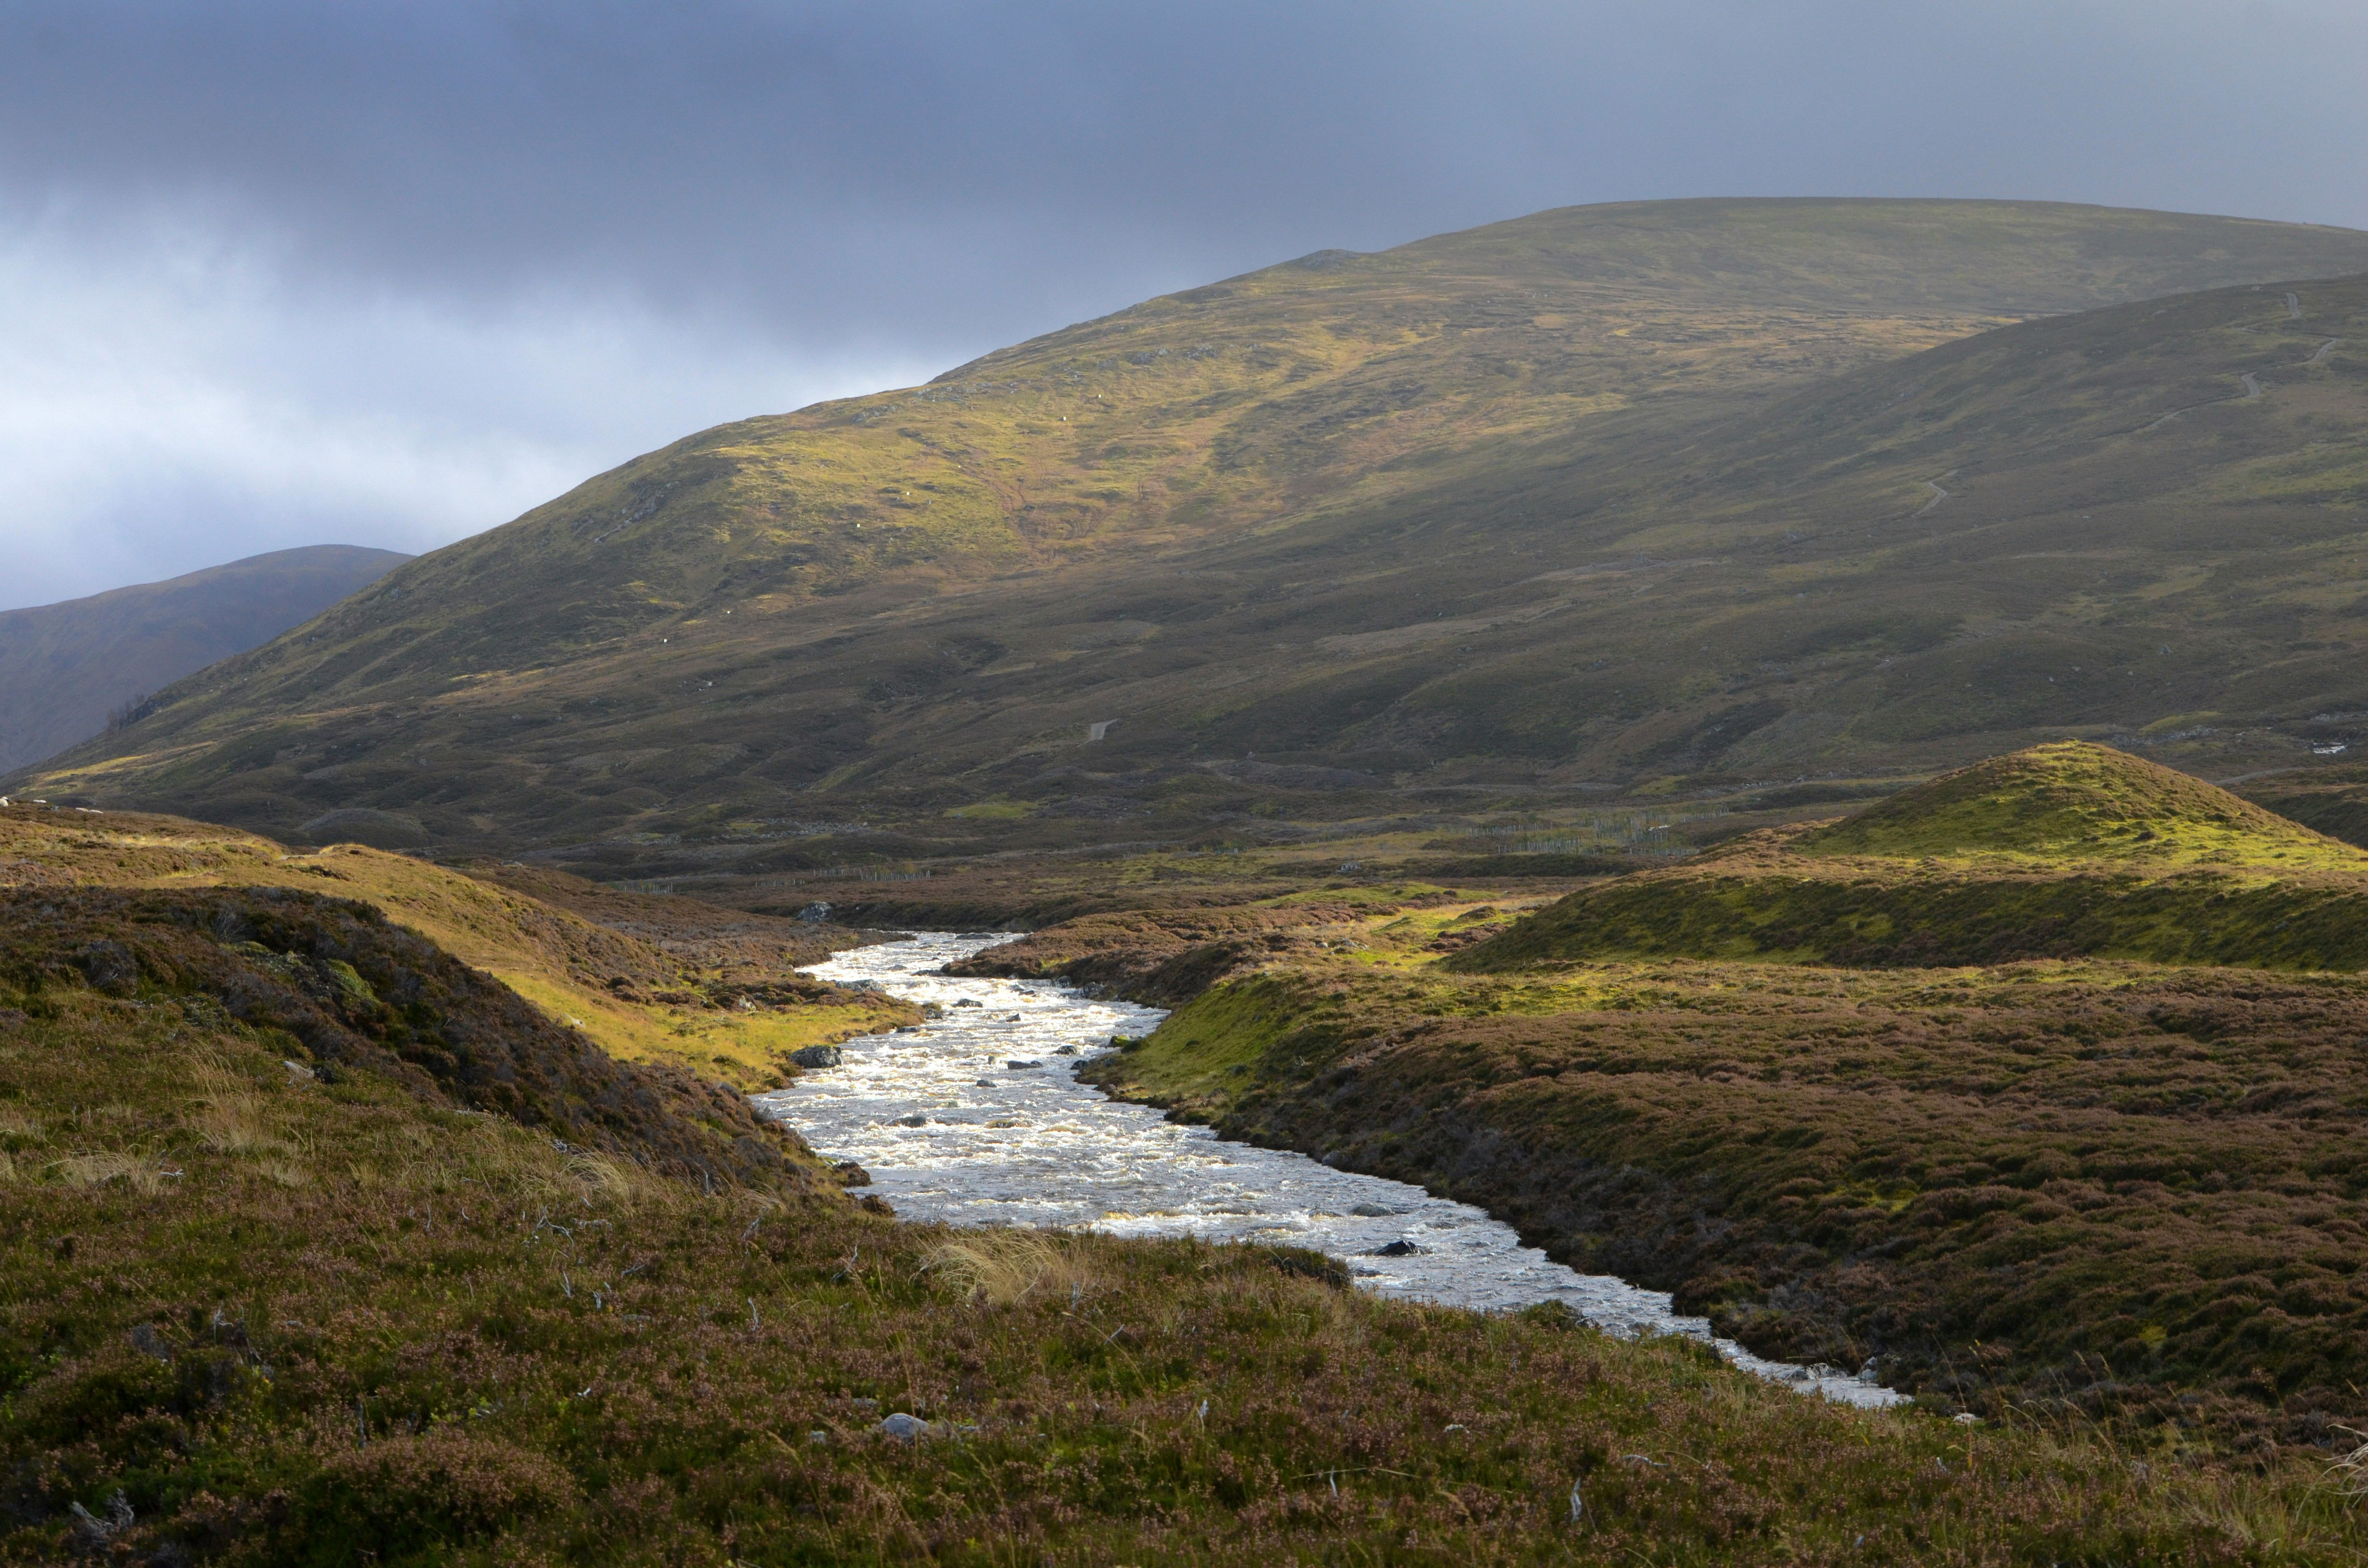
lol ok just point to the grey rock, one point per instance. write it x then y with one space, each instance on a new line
1019 1066
1373 1212
912 1121
903 1426
1395 1249
818 1056
92 1535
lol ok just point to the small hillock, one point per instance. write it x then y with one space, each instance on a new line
2059 851
338 988
2073 802
647 979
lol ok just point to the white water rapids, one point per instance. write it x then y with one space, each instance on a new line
977 1118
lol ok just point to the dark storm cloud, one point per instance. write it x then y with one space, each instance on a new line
394 271
817 162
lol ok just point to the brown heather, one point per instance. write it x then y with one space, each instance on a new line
456 1343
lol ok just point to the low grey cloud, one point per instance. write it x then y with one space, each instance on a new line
275 273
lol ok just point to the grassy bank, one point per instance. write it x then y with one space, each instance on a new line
649 979
248 1315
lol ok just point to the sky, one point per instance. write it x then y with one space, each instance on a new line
275 274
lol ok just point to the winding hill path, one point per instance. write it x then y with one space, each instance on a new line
1939 496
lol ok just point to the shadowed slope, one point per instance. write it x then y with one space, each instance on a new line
64 667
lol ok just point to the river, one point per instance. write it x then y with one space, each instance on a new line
976 1118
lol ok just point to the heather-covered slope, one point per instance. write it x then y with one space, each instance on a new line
2130 1188
65 668
646 979
1430 517
1864 1088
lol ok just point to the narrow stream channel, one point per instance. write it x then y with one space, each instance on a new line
977 1119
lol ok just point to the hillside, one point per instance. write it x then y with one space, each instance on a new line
2065 850
66 668
1337 536
646 979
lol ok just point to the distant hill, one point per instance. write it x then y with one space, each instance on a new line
65 667
1660 496
2062 851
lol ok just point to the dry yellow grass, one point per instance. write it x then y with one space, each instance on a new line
230 1115
100 1168
1002 1267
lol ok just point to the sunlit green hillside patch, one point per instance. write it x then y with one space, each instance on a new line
2061 851
649 979
2075 804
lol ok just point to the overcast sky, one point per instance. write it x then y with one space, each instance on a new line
277 273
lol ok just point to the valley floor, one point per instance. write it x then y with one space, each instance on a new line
330 1311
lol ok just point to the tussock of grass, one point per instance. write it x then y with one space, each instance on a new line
230 1115
98 1169
1002 1268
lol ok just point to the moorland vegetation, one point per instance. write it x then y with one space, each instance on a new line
320 1247
2121 1178
1348 656
1663 498
647 980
